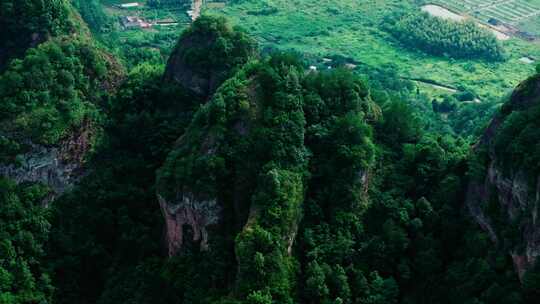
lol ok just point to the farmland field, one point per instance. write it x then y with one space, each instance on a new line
511 12
352 29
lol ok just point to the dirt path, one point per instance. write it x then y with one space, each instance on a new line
433 84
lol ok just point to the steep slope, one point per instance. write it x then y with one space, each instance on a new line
237 177
296 187
219 152
504 194
92 13
207 54
50 96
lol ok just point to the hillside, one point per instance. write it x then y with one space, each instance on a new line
50 96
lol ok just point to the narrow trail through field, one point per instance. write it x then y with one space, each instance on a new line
433 84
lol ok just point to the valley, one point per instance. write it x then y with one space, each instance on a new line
356 34
317 31
269 152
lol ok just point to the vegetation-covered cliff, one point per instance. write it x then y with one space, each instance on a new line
504 192
207 54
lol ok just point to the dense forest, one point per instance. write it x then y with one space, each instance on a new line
25 24
236 176
436 36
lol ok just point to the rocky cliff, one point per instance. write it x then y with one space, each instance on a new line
207 54
190 182
57 166
188 211
240 176
504 197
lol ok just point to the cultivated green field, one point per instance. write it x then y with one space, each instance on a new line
521 14
351 28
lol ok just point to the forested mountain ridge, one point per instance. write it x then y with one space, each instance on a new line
53 80
321 209
270 181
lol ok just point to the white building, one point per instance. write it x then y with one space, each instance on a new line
129 5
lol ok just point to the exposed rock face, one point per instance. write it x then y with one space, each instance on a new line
56 166
202 82
42 164
517 196
186 210
206 55
517 200
182 202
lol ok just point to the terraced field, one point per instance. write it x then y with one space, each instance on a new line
510 12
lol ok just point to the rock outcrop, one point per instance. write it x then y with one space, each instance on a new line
56 161
187 210
519 202
514 188
206 55
32 24
57 166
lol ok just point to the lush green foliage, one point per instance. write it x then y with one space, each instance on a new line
369 234
24 230
517 143
52 90
353 29
437 36
22 18
168 3
26 23
92 13
258 123
113 211
212 45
